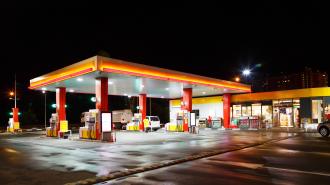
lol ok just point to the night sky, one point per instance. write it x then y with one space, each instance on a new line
216 40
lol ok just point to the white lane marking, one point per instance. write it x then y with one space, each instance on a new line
240 164
9 150
256 166
294 151
298 171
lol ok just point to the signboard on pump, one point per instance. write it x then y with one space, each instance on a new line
106 122
192 119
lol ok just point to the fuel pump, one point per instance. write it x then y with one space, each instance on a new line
186 120
53 121
179 121
136 121
90 123
91 118
10 127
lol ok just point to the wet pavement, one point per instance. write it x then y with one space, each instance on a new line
300 160
35 159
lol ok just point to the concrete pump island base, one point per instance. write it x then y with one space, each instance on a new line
106 76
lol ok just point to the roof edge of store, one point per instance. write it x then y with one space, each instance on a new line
264 96
294 93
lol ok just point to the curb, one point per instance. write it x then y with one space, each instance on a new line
150 167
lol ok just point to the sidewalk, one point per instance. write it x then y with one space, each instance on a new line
294 130
277 129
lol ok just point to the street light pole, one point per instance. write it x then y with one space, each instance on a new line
15 90
44 92
45 110
150 106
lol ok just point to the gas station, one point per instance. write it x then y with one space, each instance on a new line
104 76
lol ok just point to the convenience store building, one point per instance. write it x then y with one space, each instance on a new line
290 108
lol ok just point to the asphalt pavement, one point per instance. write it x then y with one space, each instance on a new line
299 160
35 159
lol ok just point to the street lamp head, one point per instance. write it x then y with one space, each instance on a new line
11 93
237 79
93 99
246 72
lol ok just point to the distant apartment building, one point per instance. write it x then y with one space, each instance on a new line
305 79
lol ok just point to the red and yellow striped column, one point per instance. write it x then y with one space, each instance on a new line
186 105
142 109
60 106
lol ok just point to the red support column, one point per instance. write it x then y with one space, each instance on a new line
15 114
187 99
186 105
60 106
226 110
142 109
101 93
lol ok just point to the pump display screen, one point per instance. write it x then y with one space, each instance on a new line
106 122
91 120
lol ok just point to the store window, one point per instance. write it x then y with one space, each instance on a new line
327 111
286 117
246 110
285 110
276 114
237 111
266 117
256 109
317 111
282 114
296 112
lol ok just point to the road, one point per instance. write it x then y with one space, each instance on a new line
299 160
35 159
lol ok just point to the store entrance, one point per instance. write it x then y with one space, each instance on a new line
286 113
285 116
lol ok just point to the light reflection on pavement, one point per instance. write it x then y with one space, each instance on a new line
298 160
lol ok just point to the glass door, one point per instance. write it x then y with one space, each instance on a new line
296 113
276 114
317 111
266 116
286 117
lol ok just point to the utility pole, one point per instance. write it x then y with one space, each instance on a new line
150 106
44 92
15 90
